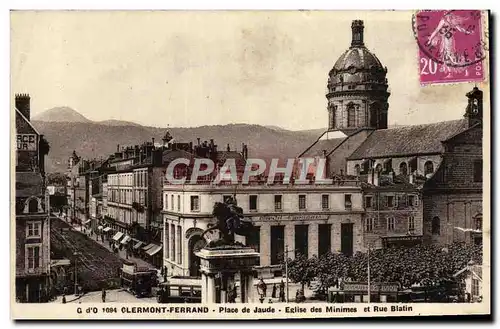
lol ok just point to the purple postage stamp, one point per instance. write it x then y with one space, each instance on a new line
451 47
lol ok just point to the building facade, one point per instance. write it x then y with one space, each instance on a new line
32 209
309 219
453 197
393 211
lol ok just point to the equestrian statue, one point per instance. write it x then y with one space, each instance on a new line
229 221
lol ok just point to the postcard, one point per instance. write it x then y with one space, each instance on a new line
250 164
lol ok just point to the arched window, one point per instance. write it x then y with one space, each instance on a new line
378 168
428 167
478 222
373 117
333 109
33 205
351 116
366 166
403 168
436 226
357 169
388 165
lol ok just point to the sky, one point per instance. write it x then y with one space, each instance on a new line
186 69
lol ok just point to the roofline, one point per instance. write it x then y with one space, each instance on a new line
317 140
28 121
346 138
468 268
395 155
461 132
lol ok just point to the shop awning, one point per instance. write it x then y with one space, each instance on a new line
149 246
138 245
117 236
107 229
152 251
99 227
126 239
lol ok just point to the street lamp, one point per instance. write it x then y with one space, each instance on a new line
286 270
369 273
76 273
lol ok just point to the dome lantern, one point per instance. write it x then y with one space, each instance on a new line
357 33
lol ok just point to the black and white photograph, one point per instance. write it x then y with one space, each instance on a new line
250 164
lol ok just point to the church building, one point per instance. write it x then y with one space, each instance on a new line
419 182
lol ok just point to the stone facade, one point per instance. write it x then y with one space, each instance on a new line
285 216
453 198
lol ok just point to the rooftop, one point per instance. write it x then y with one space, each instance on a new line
408 140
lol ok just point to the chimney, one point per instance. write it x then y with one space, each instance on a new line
23 104
153 140
357 33
376 175
191 147
228 147
198 141
118 148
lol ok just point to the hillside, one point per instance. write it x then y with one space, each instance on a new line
113 122
92 139
60 114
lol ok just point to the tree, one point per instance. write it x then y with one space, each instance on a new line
302 270
57 179
331 269
425 265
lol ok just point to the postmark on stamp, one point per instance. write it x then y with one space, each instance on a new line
451 47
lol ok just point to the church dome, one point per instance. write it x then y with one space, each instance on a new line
357 66
357 89
357 58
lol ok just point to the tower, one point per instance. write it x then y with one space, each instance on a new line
474 110
357 88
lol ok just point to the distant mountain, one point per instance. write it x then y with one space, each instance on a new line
113 122
60 114
94 139
276 128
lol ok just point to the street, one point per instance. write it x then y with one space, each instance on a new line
112 296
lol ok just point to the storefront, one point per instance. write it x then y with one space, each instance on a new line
401 241
357 292
155 255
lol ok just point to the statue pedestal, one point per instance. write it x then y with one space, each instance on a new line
219 267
